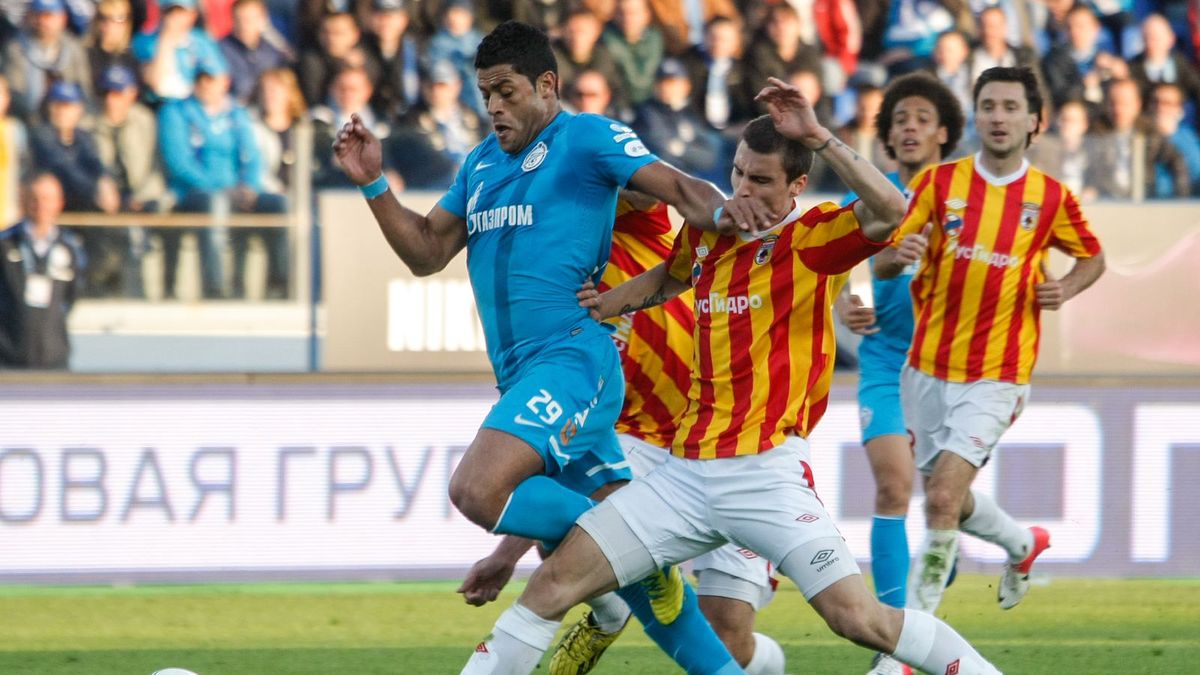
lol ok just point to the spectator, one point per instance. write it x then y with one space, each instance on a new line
840 31
395 49
34 60
40 268
1054 33
1160 63
545 14
172 56
913 28
455 42
1131 136
108 42
674 131
951 57
126 135
446 130
1166 104
1073 155
994 47
280 117
428 14
67 151
579 49
339 47
246 51
778 50
636 47
349 94
590 92
719 87
683 23
1080 69
15 158
311 17
213 166
218 17
860 132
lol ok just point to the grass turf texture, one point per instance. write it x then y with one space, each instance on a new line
1066 626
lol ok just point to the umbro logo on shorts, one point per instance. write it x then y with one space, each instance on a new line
952 669
821 556
808 518
747 553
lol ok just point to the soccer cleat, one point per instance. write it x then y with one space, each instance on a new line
665 590
884 664
581 647
1014 583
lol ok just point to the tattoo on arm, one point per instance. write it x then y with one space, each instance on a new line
834 140
656 298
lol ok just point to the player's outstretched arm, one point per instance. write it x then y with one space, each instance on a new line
698 200
1052 293
881 206
425 243
648 289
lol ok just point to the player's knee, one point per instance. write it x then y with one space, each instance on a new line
892 495
942 501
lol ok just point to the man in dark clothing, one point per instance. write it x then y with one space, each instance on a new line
40 267
249 55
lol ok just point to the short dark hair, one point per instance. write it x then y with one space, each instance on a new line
928 87
761 137
1027 79
524 47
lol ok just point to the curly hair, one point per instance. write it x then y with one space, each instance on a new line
928 87
520 45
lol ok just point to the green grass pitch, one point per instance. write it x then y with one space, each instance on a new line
1070 626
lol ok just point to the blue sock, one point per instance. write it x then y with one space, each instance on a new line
689 640
889 559
541 508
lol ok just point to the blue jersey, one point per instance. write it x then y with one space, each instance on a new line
539 223
883 352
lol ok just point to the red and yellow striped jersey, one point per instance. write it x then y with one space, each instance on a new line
973 299
655 343
764 351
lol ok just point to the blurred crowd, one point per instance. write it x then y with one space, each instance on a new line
202 106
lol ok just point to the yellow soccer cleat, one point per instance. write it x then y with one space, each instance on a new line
665 589
581 648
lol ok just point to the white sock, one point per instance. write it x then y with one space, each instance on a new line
932 646
515 646
768 657
931 569
991 523
610 612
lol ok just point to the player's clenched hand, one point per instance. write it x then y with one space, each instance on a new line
485 580
589 298
1050 294
745 214
358 152
791 112
912 247
853 315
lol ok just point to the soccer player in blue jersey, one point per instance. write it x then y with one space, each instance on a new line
919 123
533 205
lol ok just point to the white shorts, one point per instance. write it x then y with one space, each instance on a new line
756 586
688 507
965 418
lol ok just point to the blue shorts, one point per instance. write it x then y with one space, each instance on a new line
564 406
879 409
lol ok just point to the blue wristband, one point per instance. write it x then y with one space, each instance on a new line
717 214
374 188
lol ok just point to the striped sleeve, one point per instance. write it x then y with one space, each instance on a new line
833 241
920 206
1070 231
679 262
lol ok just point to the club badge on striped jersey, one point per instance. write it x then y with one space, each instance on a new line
1029 215
764 249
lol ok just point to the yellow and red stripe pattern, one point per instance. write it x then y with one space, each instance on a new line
974 302
764 349
655 343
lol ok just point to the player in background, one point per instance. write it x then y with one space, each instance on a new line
656 354
762 365
533 205
980 228
920 121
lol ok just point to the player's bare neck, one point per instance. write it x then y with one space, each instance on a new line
909 171
1002 165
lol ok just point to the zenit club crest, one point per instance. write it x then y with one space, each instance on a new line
1029 215
764 249
535 157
